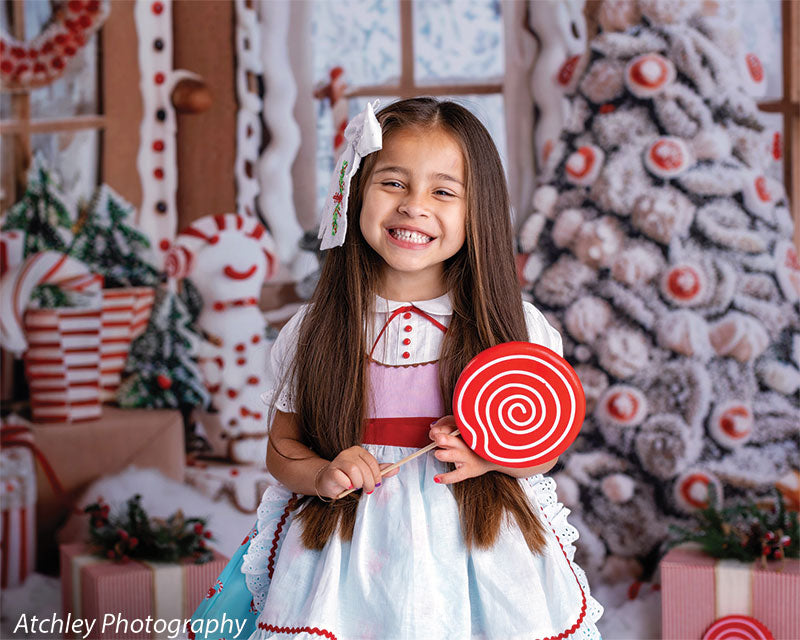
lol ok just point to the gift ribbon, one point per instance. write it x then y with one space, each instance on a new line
10 437
733 583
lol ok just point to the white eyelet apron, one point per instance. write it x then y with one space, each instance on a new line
406 573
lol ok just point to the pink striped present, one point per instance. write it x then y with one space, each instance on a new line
62 363
92 587
17 507
698 589
126 312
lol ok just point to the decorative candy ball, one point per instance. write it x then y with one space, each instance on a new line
740 627
163 381
583 166
518 404
647 75
693 489
668 157
732 424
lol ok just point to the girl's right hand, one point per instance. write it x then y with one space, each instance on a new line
353 468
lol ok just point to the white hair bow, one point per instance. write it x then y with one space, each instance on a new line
363 136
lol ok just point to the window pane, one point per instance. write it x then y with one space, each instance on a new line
761 33
457 41
73 155
75 92
361 36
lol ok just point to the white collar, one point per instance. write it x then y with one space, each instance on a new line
440 306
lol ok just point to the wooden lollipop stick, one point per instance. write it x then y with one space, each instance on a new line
394 466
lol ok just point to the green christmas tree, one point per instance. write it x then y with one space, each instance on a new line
45 214
160 372
110 244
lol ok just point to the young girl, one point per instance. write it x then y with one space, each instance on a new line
448 545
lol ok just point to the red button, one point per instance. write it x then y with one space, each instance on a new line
407 341
406 354
406 315
407 328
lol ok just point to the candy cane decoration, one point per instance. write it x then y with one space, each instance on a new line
516 404
46 267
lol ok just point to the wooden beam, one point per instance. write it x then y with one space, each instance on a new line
51 125
407 91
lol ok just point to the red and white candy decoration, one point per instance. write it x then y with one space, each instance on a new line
46 267
738 627
787 269
583 166
693 487
760 193
668 157
622 405
518 404
648 74
684 284
754 80
732 423
39 62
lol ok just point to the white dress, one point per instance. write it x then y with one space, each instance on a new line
406 573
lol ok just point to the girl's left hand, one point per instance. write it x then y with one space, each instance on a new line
453 449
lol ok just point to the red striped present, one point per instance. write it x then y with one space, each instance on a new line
62 363
698 589
92 587
126 312
17 511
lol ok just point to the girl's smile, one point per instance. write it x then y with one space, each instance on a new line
414 211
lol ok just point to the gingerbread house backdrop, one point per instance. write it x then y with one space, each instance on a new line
652 154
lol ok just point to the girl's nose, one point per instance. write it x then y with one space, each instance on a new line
413 207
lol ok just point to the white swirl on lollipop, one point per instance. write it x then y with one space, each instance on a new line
648 74
584 165
668 157
506 398
731 423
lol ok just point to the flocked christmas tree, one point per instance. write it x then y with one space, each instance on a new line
661 249
160 372
110 244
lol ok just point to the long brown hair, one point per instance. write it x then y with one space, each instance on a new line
329 371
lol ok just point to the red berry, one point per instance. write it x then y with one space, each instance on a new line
163 381
133 542
110 554
207 534
198 528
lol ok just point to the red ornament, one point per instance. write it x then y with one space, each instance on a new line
163 381
568 70
158 174
157 8
158 145
755 67
159 78
518 404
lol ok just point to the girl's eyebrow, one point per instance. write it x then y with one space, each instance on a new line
404 172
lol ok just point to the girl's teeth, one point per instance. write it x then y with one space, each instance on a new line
410 236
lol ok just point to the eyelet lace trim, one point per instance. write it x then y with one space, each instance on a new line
544 491
273 516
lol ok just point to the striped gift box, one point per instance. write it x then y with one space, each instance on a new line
92 587
697 589
126 312
62 363
17 510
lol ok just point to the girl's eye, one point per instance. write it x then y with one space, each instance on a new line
392 183
442 192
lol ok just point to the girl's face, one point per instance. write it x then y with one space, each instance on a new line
414 211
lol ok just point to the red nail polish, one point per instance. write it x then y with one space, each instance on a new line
369 493
350 487
435 479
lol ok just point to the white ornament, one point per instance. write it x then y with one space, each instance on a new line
647 75
618 487
587 318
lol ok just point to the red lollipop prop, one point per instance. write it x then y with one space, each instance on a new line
516 404
519 404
